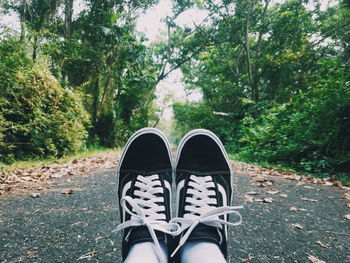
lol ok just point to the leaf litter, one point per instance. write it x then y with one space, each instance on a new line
297 226
30 179
314 259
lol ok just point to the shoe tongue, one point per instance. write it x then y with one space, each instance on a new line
142 234
205 233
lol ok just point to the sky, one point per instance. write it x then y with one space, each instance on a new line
150 24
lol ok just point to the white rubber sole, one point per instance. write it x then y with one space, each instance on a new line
213 136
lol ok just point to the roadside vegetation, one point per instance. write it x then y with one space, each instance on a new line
275 80
274 75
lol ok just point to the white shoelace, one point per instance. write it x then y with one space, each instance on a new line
147 211
202 208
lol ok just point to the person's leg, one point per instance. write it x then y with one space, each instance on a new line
145 252
201 252
203 178
144 176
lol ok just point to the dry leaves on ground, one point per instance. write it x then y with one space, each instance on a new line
272 191
268 200
67 192
347 216
80 223
346 196
323 244
314 259
260 172
35 195
248 199
252 193
29 179
293 208
88 255
263 182
297 226
309 199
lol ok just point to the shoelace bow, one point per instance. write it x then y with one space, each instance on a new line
148 210
201 209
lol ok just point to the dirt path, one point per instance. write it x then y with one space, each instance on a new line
283 221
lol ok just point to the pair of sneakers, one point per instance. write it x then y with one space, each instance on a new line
203 179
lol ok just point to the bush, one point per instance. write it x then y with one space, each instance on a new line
37 116
201 116
311 133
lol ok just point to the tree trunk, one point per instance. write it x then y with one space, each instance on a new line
95 92
253 85
22 19
68 14
35 48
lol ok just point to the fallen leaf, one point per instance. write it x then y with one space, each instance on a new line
35 195
308 187
76 223
315 259
347 216
260 179
346 188
348 204
248 259
293 177
252 193
272 191
26 178
88 255
322 244
346 196
283 195
268 200
98 238
67 192
293 208
297 226
248 199
309 199
262 182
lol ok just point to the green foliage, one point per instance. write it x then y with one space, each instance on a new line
37 116
200 116
96 54
311 133
279 73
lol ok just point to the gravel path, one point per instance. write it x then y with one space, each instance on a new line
76 226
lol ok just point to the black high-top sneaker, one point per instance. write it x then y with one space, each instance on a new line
203 178
144 177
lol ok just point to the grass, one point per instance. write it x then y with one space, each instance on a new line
36 163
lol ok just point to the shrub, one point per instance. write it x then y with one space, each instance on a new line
38 117
310 133
200 116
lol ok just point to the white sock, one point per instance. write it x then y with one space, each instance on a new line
201 252
146 252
